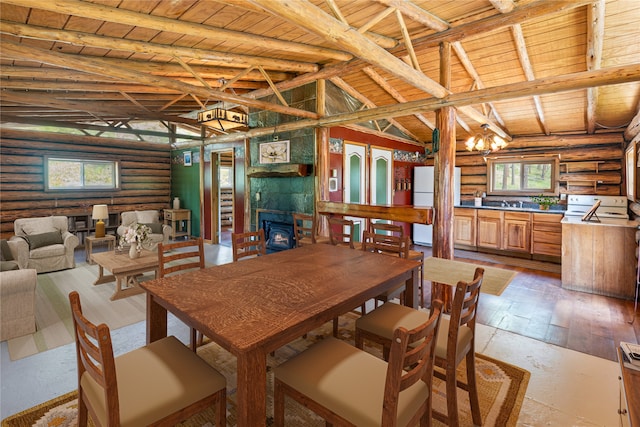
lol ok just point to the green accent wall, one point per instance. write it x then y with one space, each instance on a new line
185 184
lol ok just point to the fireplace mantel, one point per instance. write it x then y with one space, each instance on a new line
279 170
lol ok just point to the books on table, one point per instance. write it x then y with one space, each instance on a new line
630 355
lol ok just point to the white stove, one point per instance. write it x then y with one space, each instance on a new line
610 206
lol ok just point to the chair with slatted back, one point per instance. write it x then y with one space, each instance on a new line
391 245
456 341
341 232
181 256
305 229
380 227
350 387
160 384
249 244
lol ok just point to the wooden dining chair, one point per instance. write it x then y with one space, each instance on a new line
380 227
305 229
342 232
180 256
249 244
456 341
350 387
160 384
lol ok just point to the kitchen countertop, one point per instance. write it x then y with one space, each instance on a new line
617 222
512 209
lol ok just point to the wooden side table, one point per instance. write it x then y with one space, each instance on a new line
180 222
90 240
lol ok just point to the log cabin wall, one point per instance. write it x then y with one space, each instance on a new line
589 164
145 175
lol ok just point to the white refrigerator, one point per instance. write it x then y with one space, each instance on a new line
423 182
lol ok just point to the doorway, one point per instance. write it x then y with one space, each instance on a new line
222 196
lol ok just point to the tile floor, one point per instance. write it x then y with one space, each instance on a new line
567 388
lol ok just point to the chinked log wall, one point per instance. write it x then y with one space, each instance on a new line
145 175
575 150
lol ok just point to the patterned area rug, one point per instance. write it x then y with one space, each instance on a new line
502 389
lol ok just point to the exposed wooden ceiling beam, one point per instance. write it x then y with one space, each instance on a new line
369 104
220 59
159 23
499 22
97 66
563 83
523 55
308 16
633 130
595 42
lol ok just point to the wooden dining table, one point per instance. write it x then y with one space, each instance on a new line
254 306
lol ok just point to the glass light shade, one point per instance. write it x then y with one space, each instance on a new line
485 142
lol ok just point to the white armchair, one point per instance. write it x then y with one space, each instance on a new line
159 232
44 244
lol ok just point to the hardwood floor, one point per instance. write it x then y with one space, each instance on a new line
535 305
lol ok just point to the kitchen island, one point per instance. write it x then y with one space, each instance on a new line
599 257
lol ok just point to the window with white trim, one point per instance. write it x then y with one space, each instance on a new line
81 174
522 176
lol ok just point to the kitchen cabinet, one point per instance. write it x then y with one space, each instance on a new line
546 234
464 227
516 234
490 229
599 258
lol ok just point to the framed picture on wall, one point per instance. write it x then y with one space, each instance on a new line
631 171
274 152
187 158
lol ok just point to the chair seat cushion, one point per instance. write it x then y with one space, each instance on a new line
348 381
47 251
385 319
155 381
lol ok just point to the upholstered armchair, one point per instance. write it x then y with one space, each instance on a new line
159 232
44 244
17 303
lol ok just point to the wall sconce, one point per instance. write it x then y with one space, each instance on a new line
334 173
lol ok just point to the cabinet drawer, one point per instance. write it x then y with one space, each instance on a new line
552 237
490 214
547 227
543 248
518 216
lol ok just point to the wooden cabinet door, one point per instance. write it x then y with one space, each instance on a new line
464 227
490 229
546 234
517 231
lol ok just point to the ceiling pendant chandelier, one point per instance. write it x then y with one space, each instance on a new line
485 142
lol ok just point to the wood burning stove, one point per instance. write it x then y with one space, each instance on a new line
278 230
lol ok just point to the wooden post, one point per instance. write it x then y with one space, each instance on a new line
322 160
444 170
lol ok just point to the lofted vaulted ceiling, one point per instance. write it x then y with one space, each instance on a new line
524 67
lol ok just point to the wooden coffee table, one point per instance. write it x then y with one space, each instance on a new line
124 271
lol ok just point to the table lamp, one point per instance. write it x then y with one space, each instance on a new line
100 212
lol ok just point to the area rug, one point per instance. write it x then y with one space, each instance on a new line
440 270
53 314
501 386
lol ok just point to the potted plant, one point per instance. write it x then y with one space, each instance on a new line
477 200
544 202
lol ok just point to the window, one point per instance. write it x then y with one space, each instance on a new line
522 176
77 174
226 177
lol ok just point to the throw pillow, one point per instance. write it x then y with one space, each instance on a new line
147 217
38 226
44 239
5 250
8 266
156 227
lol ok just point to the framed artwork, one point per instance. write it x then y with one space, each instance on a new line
187 158
631 171
274 152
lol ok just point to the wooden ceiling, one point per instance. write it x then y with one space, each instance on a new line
524 67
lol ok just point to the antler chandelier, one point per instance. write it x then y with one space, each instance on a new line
485 142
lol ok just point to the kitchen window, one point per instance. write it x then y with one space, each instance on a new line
80 174
522 176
